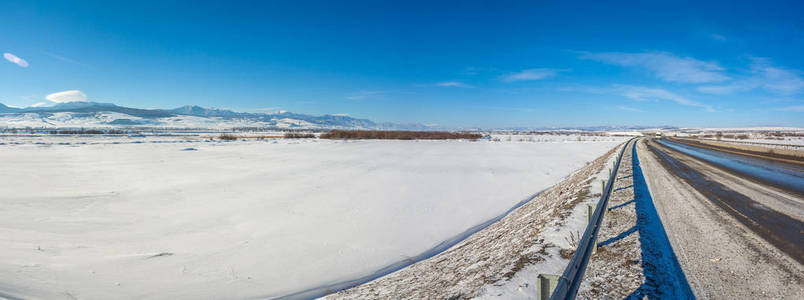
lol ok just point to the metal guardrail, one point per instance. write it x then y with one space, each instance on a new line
569 282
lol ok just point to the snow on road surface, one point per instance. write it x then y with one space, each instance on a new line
248 219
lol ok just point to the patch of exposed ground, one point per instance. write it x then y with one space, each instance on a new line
491 256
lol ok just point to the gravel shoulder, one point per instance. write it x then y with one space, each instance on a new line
720 257
615 271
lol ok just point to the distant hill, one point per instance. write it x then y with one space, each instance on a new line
6 109
94 114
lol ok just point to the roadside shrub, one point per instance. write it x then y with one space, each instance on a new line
227 137
298 135
566 253
398 135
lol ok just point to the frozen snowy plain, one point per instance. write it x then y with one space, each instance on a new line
249 218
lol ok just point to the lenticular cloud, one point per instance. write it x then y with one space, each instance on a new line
67 96
13 58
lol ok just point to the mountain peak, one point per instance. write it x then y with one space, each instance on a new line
196 110
77 104
7 109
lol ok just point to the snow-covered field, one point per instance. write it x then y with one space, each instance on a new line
199 219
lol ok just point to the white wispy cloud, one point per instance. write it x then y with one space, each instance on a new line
530 74
795 108
363 95
38 104
718 37
628 108
762 74
67 96
779 80
16 60
453 84
723 89
641 93
62 58
478 70
665 66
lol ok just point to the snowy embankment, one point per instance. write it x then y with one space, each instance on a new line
248 219
503 260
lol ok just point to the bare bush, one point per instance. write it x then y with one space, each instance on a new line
298 135
227 137
573 239
566 253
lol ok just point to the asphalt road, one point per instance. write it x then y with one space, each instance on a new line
736 234
784 176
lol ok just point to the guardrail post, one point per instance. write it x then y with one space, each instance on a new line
590 210
547 283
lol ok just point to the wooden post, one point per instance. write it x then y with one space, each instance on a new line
603 187
590 210
547 283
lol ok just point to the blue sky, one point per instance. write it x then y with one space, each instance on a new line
457 63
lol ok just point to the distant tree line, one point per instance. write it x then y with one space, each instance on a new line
398 135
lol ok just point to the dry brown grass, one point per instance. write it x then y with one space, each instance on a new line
398 135
566 253
573 239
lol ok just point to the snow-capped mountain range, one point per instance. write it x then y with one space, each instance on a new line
106 115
